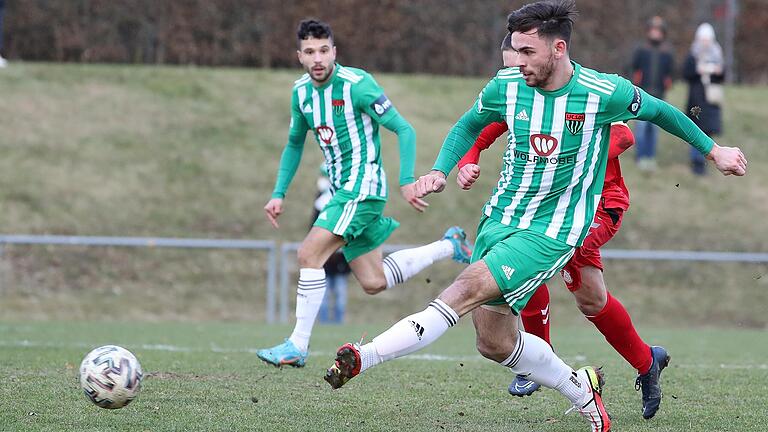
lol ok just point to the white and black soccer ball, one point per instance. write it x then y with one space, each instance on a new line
110 376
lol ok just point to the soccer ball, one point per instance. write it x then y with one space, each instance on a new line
110 376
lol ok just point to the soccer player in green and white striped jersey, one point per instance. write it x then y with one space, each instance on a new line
344 107
559 115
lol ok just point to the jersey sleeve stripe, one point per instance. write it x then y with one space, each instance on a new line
598 83
301 81
607 83
594 87
349 75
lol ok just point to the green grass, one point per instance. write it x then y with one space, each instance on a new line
192 152
717 381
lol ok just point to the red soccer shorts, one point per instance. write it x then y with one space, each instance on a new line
605 225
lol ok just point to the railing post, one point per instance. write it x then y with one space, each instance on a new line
271 280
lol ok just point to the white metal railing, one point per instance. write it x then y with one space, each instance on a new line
288 250
164 242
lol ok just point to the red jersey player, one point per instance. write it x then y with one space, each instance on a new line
583 275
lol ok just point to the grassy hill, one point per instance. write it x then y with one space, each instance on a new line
191 152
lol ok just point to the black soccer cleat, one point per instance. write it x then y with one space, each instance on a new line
650 383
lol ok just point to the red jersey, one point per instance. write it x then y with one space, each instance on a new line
615 192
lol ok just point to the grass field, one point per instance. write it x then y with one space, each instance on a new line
192 152
206 377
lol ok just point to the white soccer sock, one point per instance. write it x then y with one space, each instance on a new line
402 265
309 297
534 359
410 334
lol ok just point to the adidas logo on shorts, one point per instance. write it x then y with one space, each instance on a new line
508 271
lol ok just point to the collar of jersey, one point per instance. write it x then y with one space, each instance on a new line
566 88
336 67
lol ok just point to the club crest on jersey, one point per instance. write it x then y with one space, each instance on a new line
325 133
338 106
543 145
574 122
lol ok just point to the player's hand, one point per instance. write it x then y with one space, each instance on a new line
728 160
273 209
467 176
409 193
429 183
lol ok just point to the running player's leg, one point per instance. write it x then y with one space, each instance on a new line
364 254
314 251
473 287
535 315
528 259
535 318
499 339
583 276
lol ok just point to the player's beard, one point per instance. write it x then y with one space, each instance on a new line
324 77
544 75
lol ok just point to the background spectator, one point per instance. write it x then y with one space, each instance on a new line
3 62
705 70
652 66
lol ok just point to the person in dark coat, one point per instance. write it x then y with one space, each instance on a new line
704 71
652 68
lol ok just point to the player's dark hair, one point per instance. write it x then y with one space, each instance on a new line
312 28
553 18
506 44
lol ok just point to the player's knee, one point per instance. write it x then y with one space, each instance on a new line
493 349
590 301
373 286
307 258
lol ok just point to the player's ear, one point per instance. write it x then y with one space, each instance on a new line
298 55
560 48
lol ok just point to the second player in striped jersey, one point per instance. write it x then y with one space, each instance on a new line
344 108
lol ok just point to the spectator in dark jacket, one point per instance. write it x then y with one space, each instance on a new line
704 70
3 62
652 67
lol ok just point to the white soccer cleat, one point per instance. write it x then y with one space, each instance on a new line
594 410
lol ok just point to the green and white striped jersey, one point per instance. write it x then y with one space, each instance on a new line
554 164
344 114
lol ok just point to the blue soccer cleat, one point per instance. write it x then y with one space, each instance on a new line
284 354
649 382
462 250
522 386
